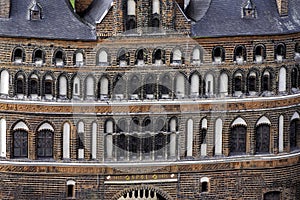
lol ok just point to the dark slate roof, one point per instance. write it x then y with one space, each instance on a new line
58 22
223 18
197 9
97 10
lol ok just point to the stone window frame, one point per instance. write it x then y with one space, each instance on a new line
238 81
119 87
21 58
39 56
240 51
253 73
34 76
48 85
103 96
76 61
70 189
259 52
162 56
294 133
264 138
141 54
87 87
266 86
108 57
165 89
295 77
123 57
42 142
150 86
59 85
21 142
236 141
205 184
201 54
191 92
134 87
279 50
62 57
20 76
220 53
181 55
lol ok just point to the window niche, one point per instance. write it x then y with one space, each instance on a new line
18 56
218 55
280 52
204 184
259 54
240 55
59 58
38 57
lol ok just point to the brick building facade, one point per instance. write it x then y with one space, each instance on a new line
150 99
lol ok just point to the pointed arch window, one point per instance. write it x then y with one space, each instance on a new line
180 86
134 87
33 86
90 87
45 144
20 85
76 87
197 56
102 57
48 87
150 87
80 140
295 78
165 87
63 87
209 85
252 79
295 134
123 58
119 87
237 81
141 57
266 81
20 144
104 88
78 58
195 85
4 82
262 136
223 85
238 140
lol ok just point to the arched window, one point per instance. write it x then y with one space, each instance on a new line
48 86
202 139
134 87
158 57
280 52
282 80
237 83
123 58
38 57
218 136
78 58
71 189
295 134
90 87
266 81
59 58
119 87
165 87
262 136
104 88
76 87
259 53
3 131
295 78
159 146
121 145
176 57
20 84
141 57
108 130
194 85
204 184
4 82
62 87
223 85
281 134
18 55
197 56
218 55
150 87
131 15
20 144
155 6
102 58
80 140
66 140
160 125
33 86
189 137
238 139
180 86
272 196
209 85
252 83
45 141
240 54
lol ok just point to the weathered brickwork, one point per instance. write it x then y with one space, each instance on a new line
204 115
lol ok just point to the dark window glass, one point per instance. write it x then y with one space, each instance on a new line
252 83
238 83
20 86
203 136
262 138
70 191
204 186
48 87
159 144
45 144
294 78
294 133
266 83
20 142
34 86
238 140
